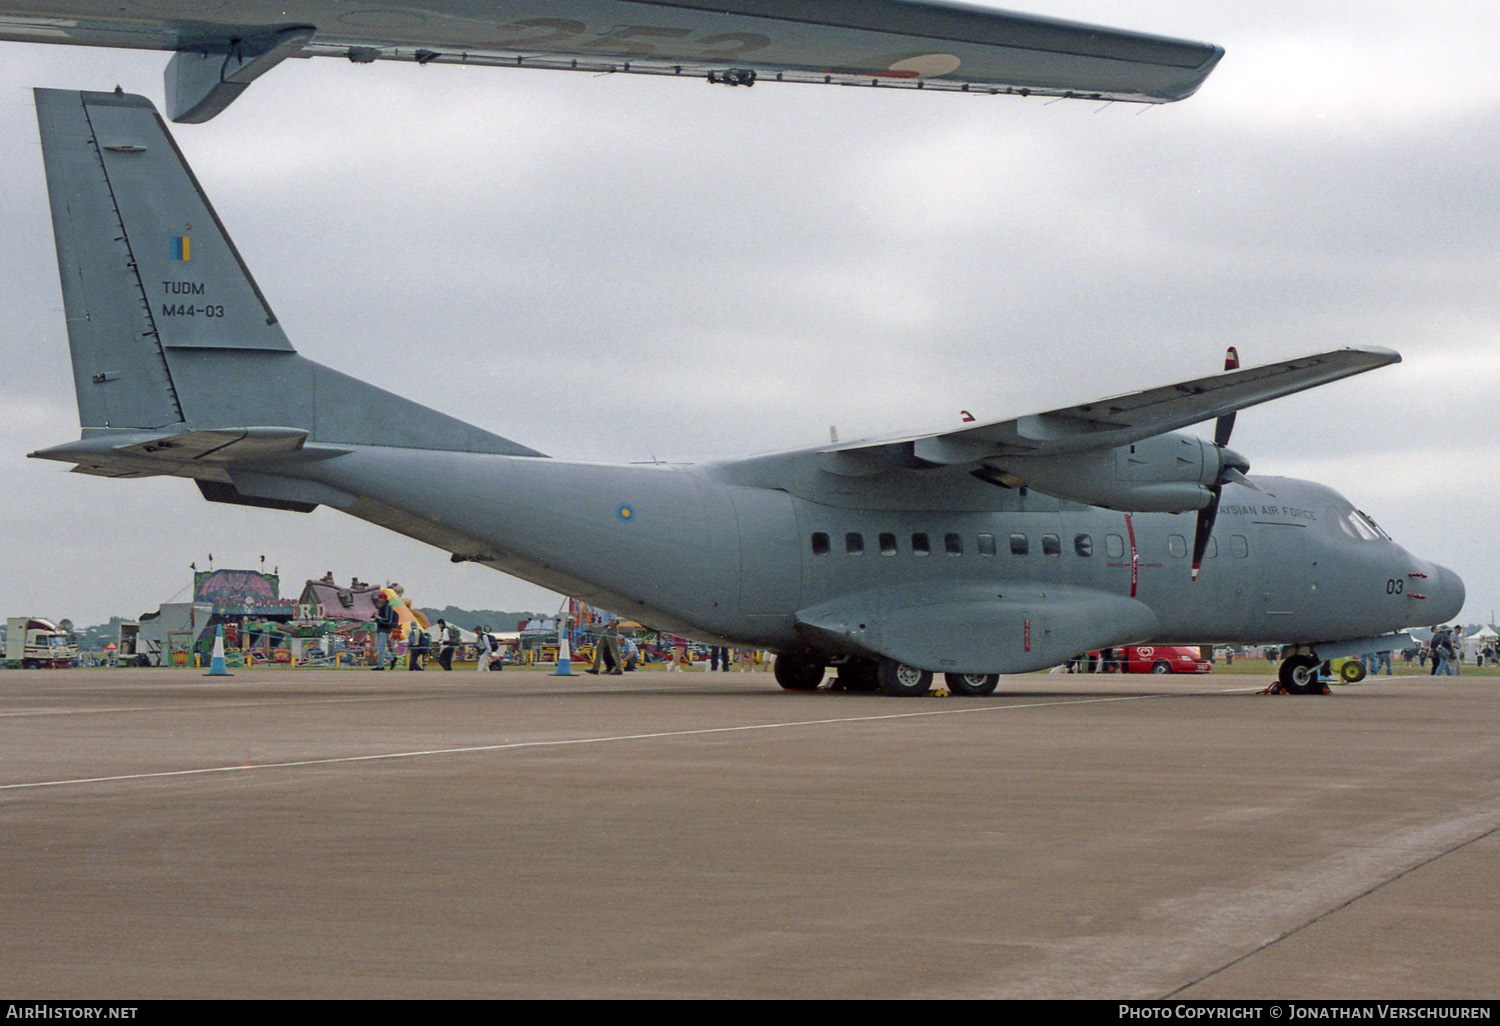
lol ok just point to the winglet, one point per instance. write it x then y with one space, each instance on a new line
202 82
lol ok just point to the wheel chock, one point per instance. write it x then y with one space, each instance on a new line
1277 688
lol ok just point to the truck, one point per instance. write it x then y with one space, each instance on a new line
166 637
35 643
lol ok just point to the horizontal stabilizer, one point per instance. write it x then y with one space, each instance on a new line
185 453
221 446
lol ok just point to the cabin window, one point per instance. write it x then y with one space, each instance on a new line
1051 545
1019 545
1213 548
854 543
986 544
1239 548
920 546
1176 546
953 544
1114 546
1083 545
820 544
887 543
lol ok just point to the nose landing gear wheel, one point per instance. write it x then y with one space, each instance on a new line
1299 675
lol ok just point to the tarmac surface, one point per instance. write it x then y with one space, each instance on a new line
351 834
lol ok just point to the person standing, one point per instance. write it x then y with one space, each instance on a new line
607 652
386 620
416 649
448 642
1441 648
485 650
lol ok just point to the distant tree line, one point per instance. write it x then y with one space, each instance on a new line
494 619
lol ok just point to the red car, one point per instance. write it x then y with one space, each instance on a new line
1164 659
1152 659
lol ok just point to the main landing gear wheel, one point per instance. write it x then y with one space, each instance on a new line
1299 674
798 672
859 676
902 681
971 684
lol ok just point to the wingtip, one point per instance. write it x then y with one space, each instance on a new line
1381 353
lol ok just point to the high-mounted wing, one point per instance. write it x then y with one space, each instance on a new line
1123 453
924 44
1122 419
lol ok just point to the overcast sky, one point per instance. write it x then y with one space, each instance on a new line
630 268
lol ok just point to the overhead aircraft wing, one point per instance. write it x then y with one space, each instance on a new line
925 44
1089 427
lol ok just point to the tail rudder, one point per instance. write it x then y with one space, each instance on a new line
146 266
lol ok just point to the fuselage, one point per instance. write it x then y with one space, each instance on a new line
690 550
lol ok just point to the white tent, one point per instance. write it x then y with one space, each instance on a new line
1474 643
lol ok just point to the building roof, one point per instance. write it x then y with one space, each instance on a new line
340 603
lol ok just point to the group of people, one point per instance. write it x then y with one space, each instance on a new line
1445 653
446 638
615 654
720 658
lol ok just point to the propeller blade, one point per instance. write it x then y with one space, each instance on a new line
1231 471
1223 429
1231 474
1205 530
1225 426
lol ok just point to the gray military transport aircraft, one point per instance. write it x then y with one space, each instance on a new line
993 548
219 48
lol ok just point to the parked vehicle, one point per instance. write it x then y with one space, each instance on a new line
1147 659
1165 659
38 644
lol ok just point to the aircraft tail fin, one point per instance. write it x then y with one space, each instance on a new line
119 360
168 330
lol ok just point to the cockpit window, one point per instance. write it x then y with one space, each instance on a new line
1371 524
1359 525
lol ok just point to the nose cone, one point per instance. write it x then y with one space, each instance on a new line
1446 598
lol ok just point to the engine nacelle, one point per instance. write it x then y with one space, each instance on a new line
1170 473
